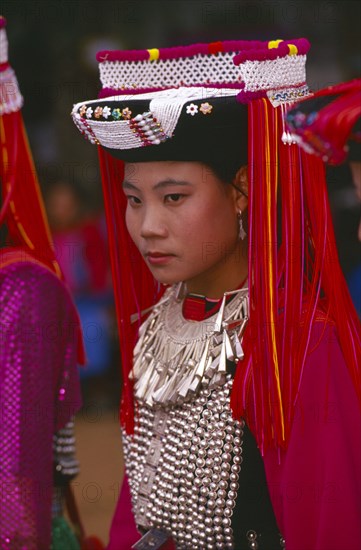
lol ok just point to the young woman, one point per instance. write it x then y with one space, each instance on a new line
240 397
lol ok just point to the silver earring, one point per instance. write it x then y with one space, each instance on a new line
241 232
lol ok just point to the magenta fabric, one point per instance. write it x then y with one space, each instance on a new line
123 532
39 392
315 485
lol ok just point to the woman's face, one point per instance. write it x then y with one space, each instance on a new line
183 220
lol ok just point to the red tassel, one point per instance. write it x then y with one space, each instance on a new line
134 286
295 278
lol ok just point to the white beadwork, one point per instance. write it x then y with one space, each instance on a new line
220 68
273 74
118 134
3 46
163 73
115 135
11 99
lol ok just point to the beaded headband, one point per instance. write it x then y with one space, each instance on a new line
147 93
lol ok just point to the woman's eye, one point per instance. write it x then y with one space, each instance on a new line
132 200
173 197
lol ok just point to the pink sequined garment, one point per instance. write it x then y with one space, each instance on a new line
39 392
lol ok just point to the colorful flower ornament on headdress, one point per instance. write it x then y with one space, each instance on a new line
228 99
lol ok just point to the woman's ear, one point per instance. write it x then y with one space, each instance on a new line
240 182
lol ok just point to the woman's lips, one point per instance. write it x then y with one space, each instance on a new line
159 258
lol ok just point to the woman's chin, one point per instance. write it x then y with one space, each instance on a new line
164 278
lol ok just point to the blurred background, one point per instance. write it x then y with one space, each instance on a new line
52 49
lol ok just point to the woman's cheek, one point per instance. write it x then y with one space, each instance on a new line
130 222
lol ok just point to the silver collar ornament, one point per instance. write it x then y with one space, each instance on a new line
175 357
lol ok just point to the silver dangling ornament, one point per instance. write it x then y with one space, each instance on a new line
241 232
174 357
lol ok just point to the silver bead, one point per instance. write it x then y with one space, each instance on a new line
226 457
197 482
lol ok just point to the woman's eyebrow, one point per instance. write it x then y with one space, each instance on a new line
127 185
160 185
170 182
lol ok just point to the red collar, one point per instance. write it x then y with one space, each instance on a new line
197 307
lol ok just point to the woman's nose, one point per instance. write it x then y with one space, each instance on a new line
153 225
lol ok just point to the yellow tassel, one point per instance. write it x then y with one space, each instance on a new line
268 190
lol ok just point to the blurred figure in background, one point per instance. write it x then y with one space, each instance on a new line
41 345
81 250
